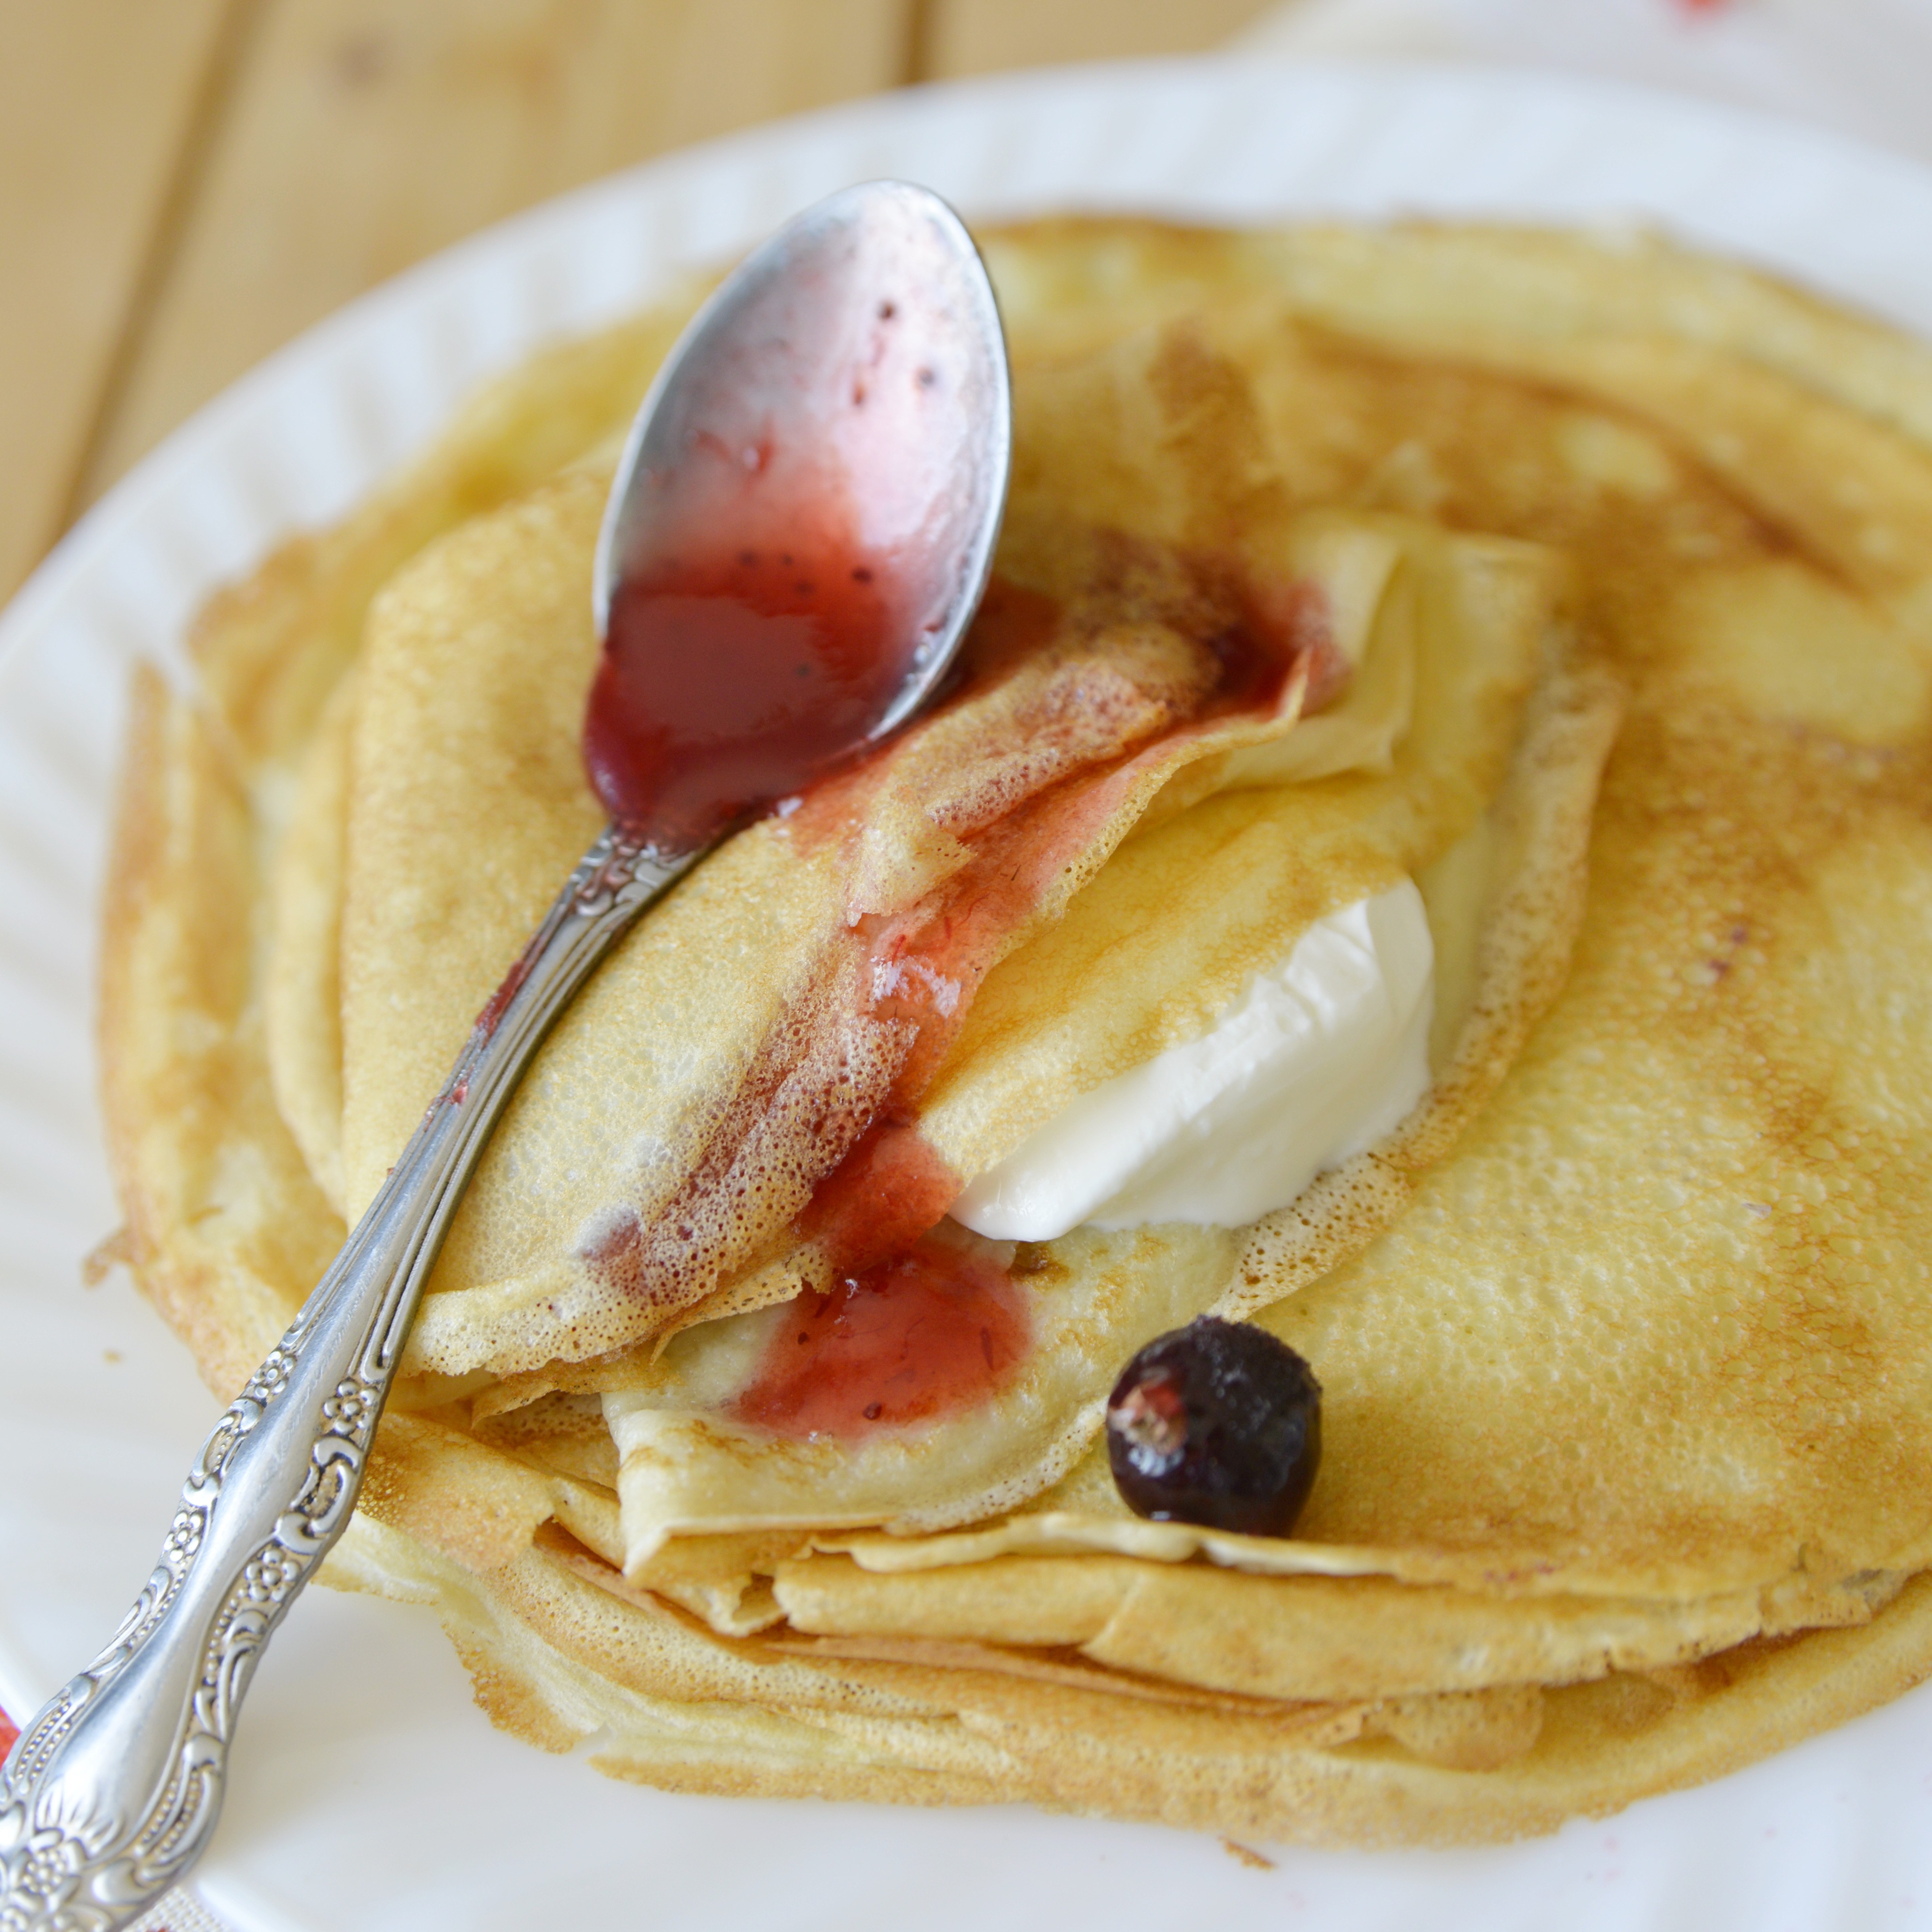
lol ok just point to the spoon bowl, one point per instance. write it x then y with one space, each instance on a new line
723 685
805 515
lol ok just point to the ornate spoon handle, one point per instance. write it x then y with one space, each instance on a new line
111 1793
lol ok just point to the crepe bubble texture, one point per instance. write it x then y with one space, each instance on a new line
1618 558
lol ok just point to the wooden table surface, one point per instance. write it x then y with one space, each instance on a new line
185 184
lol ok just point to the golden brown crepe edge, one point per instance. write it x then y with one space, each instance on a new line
551 1641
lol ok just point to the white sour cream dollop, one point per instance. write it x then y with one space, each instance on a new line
1317 1059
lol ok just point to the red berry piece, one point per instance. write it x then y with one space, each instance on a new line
1217 1423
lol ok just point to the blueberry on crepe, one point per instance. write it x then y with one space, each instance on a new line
1218 1424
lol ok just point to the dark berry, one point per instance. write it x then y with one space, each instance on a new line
1217 1423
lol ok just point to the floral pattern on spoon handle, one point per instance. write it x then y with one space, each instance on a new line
111 1791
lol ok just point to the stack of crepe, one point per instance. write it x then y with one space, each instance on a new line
1608 571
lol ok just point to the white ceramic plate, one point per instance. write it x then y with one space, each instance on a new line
367 1789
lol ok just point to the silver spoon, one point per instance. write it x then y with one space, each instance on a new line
852 373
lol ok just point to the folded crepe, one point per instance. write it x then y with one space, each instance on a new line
1597 575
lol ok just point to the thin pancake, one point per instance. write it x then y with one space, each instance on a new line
1582 1370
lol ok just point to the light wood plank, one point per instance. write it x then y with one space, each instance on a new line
966 37
366 134
97 100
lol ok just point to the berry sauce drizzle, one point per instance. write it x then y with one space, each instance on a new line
935 1330
916 1323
